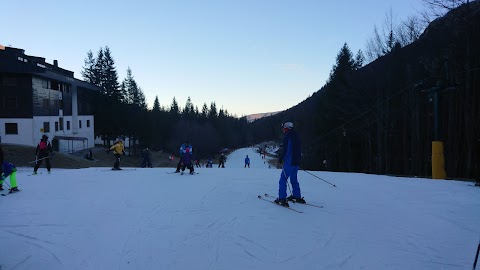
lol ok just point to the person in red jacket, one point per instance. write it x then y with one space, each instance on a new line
43 152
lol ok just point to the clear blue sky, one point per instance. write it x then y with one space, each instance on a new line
249 56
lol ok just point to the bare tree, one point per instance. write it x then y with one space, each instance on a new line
375 46
409 30
438 8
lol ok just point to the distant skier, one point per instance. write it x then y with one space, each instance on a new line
146 158
290 158
183 150
221 161
43 152
247 162
186 161
209 163
118 150
89 155
197 163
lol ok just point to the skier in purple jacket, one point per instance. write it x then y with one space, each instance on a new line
186 161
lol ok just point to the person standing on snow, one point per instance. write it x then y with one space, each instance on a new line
186 161
221 161
247 162
43 152
118 150
290 158
209 163
183 150
146 158
7 169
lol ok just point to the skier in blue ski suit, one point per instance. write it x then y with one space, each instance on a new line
290 158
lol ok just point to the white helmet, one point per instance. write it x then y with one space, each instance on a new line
288 125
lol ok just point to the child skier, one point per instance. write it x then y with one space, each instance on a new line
209 163
186 161
8 169
183 150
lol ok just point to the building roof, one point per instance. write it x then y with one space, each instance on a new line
14 60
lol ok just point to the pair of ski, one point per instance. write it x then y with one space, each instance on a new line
295 210
5 194
180 173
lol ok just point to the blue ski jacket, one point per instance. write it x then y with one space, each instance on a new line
292 149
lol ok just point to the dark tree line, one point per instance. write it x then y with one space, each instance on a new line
121 110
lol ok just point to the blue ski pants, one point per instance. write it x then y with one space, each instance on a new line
289 172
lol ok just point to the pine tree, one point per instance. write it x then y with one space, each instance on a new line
188 109
156 105
212 113
99 70
359 59
344 64
110 83
133 93
174 110
88 72
205 111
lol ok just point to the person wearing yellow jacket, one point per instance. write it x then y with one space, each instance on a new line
118 150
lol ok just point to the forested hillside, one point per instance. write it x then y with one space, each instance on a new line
380 118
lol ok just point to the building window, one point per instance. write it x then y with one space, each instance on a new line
88 123
45 84
61 123
79 123
68 125
11 103
56 126
46 127
11 128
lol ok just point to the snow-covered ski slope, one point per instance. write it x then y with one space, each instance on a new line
148 219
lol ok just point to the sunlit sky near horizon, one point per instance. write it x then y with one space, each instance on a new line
249 56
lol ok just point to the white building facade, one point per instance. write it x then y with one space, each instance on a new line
37 98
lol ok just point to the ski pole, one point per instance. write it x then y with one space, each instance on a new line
38 159
286 179
476 257
319 178
5 182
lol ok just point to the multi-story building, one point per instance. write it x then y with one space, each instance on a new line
38 98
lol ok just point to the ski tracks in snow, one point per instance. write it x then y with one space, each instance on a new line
137 229
42 244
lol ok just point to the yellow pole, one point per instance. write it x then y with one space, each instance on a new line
438 161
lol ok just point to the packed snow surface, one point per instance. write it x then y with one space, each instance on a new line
152 218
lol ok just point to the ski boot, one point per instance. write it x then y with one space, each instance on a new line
15 189
282 202
1 188
296 200
34 173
